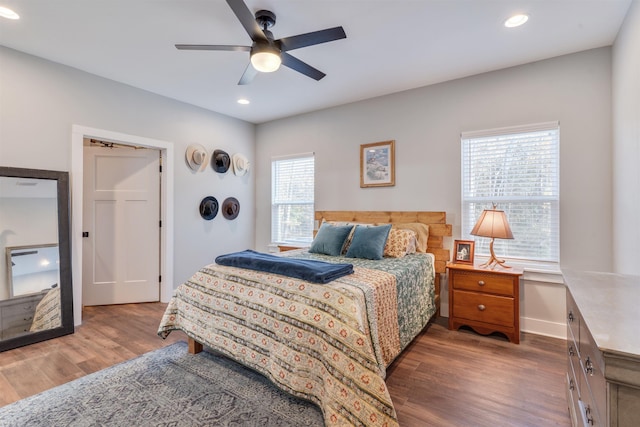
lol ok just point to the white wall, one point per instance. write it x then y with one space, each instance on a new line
626 144
35 282
426 124
25 222
42 100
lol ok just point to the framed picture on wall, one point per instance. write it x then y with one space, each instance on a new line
463 251
377 164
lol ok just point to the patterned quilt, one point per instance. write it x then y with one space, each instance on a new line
329 344
47 314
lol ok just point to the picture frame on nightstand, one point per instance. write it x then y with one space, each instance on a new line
463 251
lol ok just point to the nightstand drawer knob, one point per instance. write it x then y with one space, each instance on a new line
480 282
481 307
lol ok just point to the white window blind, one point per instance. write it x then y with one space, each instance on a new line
292 203
518 169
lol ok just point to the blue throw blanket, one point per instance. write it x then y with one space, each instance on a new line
305 269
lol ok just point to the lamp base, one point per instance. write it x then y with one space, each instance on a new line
493 260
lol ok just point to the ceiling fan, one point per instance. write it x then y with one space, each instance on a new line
266 53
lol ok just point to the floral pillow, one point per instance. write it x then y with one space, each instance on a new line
422 233
399 243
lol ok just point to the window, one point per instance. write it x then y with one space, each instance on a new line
518 169
292 208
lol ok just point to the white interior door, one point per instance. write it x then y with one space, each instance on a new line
121 220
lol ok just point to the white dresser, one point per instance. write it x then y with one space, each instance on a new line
16 315
603 348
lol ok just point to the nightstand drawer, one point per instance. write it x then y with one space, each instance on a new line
482 282
493 309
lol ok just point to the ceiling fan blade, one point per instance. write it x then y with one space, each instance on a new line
248 75
310 39
247 19
213 47
301 67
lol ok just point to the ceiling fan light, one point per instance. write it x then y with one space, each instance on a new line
5 12
266 62
516 20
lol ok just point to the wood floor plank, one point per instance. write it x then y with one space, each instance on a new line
8 394
445 378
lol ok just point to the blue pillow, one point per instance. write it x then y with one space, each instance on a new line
330 239
368 242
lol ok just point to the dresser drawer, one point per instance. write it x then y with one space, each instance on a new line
592 367
493 309
573 360
14 332
572 395
573 319
588 411
18 309
482 282
17 320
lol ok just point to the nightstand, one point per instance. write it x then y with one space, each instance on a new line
486 300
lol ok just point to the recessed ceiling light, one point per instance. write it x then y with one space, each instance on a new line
516 20
243 101
8 13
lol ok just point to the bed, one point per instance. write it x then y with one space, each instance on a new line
328 343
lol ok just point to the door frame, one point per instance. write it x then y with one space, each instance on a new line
78 134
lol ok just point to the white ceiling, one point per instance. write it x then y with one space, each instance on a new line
391 45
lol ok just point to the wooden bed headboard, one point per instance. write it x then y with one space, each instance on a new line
438 230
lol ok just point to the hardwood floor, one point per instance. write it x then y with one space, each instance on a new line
459 378
108 335
445 378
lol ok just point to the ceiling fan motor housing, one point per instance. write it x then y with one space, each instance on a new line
265 19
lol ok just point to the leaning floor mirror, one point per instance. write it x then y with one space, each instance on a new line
36 293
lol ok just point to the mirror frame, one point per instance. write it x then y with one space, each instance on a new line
64 247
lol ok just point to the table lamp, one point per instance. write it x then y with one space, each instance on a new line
493 223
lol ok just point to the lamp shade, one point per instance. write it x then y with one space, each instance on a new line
492 223
265 59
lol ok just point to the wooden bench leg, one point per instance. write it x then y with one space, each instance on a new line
194 346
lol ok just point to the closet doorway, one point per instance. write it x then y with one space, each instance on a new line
78 136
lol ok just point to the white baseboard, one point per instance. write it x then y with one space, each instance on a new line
532 326
543 327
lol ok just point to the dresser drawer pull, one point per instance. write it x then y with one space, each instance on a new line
570 317
481 307
588 366
587 413
572 351
480 282
572 384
